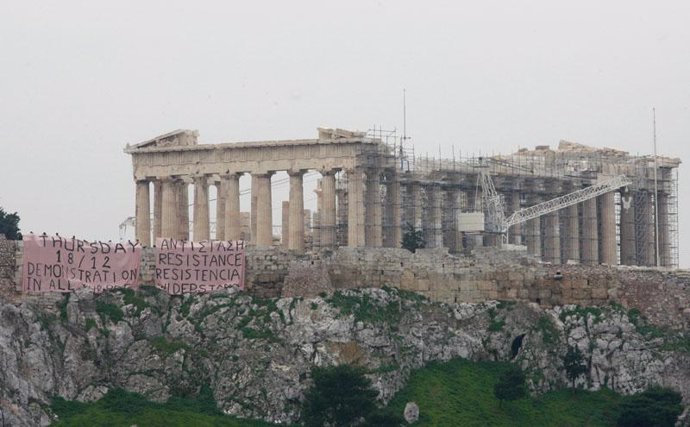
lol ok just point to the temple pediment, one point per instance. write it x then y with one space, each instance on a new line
176 138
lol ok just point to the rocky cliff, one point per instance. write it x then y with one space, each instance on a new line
256 354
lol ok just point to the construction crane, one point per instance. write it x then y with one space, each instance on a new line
494 205
496 221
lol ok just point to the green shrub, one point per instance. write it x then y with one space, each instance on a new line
131 298
340 396
510 385
165 346
549 332
574 364
655 407
122 408
109 311
90 323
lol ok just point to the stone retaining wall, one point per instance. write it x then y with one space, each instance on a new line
490 274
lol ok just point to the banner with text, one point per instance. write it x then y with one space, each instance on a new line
184 267
59 264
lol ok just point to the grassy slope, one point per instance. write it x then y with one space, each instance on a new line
461 393
119 408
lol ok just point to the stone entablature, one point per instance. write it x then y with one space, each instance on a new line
173 161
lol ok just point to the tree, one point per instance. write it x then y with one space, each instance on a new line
9 225
412 239
341 396
510 385
654 407
574 364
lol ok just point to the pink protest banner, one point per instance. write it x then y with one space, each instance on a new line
184 267
58 264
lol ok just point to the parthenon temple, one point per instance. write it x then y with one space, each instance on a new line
372 188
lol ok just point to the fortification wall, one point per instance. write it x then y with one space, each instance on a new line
490 274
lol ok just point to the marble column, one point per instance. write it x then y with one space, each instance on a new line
296 220
532 230
285 225
232 226
393 233
327 215
183 210
606 209
143 213
589 252
552 240
255 197
434 233
342 214
157 209
644 213
665 258
415 206
201 209
628 241
373 234
355 208
316 218
451 237
572 237
221 193
264 213
169 218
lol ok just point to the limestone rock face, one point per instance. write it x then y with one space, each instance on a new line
257 354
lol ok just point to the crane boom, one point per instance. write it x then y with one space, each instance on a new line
565 201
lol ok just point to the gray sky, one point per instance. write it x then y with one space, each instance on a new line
80 79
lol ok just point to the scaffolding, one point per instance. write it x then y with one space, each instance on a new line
529 177
430 193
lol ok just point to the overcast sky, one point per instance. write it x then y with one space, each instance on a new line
80 79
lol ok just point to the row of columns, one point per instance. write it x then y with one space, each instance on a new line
171 209
584 233
587 232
